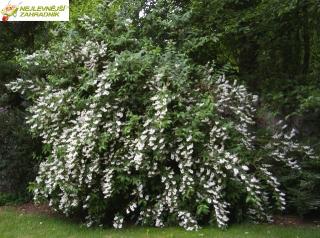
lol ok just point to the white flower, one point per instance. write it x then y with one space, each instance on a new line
245 168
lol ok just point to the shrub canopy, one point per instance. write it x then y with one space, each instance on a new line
138 127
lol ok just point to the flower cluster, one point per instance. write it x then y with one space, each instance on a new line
117 222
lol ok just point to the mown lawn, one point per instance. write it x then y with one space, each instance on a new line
14 224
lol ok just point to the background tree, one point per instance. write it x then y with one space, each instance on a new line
17 167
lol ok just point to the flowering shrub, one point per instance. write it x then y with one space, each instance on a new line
143 133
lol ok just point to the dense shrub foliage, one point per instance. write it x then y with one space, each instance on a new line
17 168
17 147
138 128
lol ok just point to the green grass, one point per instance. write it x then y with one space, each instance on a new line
14 224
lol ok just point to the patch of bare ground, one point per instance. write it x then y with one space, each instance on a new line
294 221
31 208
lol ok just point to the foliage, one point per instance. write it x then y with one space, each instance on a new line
78 8
12 199
139 125
273 43
273 47
303 189
17 167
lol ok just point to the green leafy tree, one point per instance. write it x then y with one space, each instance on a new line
17 166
